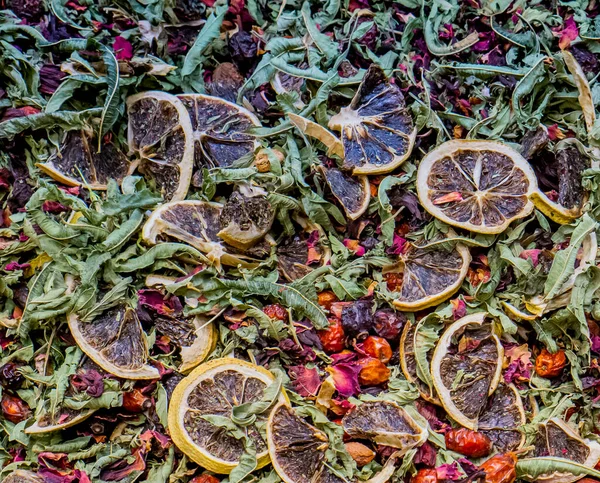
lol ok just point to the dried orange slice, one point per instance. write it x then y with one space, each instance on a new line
79 163
215 388
430 274
466 368
161 136
353 192
115 341
481 186
219 128
196 223
376 129
384 422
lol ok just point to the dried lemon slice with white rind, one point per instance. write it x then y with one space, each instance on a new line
297 448
196 223
480 186
384 422
353 192
503 418
80 163
430 274
409 341
116 342
466 368
376 129
214 388
557 440
219 128
161 137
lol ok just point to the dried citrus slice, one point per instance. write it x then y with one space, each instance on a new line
297 448
214 389
219 128
78 162
376 129
466 368
300 254
503 417
481 186
47 422
245 219
315 130
409 340
430 274
353 192
22 476
115 341
196 337
196 223
160 135
557 439
384 422
566 205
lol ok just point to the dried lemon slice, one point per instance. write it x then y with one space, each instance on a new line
160 135
408 361
430 274
503 417
195 336
558 440
215 388
196 223
78 162
47 422
245 218
22 476
115 341
219 128
571 196
466 368
353 192
481 186
384 422
297 448
377 131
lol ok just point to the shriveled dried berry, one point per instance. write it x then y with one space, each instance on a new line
467 442
378 347
500 468
425 475
373 372
136 402
10 375
388 323
276 311
550 365
14 408
326 298
357 318
333 338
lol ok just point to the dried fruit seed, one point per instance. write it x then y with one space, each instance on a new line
360 453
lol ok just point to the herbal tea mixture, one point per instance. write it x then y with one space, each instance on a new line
299 241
